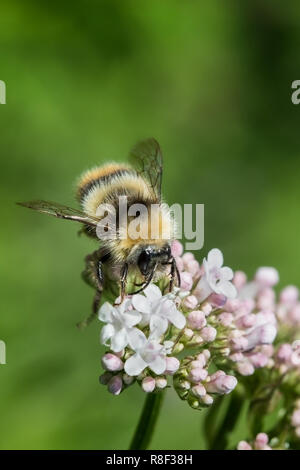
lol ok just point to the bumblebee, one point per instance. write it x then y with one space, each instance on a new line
146 257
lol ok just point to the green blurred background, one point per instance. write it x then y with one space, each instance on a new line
86 80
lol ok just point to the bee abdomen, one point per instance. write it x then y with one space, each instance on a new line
98 176
105 184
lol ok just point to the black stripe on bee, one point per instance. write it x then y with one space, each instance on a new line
84 190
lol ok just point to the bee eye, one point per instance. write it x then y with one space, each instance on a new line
143 262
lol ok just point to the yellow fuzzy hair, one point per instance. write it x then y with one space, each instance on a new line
164 233
98 172
100 193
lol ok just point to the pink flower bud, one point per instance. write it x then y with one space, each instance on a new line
172 365
223 384
239 279
127 379
161 382
193 267
197 364
179 264
186 280
199 390
197 374
188 333
217 374
201 360
246 321
206 354
208 334
295 358
207 399
284 352
178 348
232 305
112 362
289 295
248 305
120 354
294 315
239 344
296 418
267 276
191 302
187 257
243 445
245 368
148 384
266 299
176 248
225 319
115 385
196 320
267 350
258 360
217 300
105 378
261 441
237 357
263 334
265 317
206 308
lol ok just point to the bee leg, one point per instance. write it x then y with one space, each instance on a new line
146 283
124 272
93 275
174 270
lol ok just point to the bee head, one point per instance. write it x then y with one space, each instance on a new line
150 256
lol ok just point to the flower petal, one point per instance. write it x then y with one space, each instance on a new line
141 304
215 258
119 341
134 365
158 326
226 273
165 307
105 312
106 333
153 293
136 338
158 365
131 318
228 289
178 319
124 305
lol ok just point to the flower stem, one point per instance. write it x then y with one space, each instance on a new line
147 421
220 441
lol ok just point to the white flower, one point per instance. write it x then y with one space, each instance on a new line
151 354
157 311
216 278
120 326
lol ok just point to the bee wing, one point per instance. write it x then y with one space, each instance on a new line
146 158
61 211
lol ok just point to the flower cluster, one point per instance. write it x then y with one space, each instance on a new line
295 418
261 442
207 337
